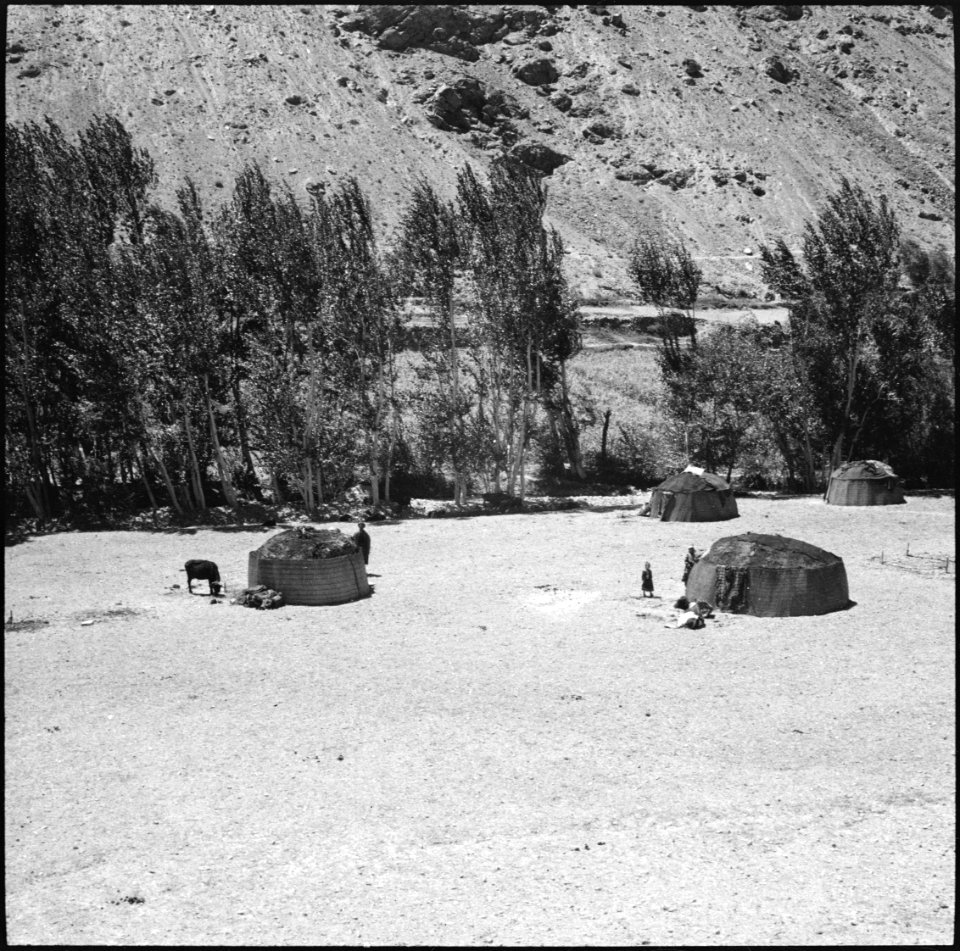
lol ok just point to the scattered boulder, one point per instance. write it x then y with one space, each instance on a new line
774 67
600 130
537 72
628 89
770 12
467 103
677 178
294 100
692 68
931 216
636 176
538 156
586 108
561 101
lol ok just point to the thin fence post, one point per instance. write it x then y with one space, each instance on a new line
881 556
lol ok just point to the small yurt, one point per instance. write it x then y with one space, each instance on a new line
866 482
310 566
693 495
769 576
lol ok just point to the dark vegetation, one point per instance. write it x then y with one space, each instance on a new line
263 351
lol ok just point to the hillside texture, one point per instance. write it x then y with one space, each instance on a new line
726 125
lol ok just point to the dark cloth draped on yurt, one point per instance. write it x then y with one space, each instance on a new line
769 576
865 482
310 566
693 496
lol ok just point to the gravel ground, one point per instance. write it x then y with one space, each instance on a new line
503 745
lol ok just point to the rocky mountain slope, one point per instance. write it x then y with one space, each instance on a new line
724 124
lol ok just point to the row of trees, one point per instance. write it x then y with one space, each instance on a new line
263 347
866 370
263 341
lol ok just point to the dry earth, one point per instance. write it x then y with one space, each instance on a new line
503 745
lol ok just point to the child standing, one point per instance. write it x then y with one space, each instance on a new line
646 580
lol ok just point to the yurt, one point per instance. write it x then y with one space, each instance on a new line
693 496
866 482
310 566
769 576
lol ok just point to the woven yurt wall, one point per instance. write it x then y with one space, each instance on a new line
777 592
311 581
760 575
864 492
715 505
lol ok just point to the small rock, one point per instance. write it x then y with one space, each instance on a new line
294 100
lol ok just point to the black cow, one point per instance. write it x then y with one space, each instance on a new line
198 570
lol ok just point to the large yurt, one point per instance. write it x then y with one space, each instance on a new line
310 566
693 495
865 482
769 576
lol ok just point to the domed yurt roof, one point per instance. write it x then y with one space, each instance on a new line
691 480
863 469
307 542
769 551
693 495
769 576
864 482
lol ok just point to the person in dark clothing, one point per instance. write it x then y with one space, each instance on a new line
362 540
689 560
646 580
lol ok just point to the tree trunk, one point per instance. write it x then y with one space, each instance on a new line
307 490
278 496
194 465
603 438
569 429
225 483
239 411
146 485
158 459
33 497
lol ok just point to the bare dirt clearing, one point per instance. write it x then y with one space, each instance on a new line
503 745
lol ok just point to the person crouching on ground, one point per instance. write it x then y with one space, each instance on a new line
646 580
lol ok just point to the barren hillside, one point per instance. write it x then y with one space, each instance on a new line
726 124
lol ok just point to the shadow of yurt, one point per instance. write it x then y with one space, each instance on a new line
310 566
864 482
769 576
693 495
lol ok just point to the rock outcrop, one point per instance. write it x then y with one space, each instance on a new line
452 30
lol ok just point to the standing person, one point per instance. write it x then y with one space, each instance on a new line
689 560
646 579
363 541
